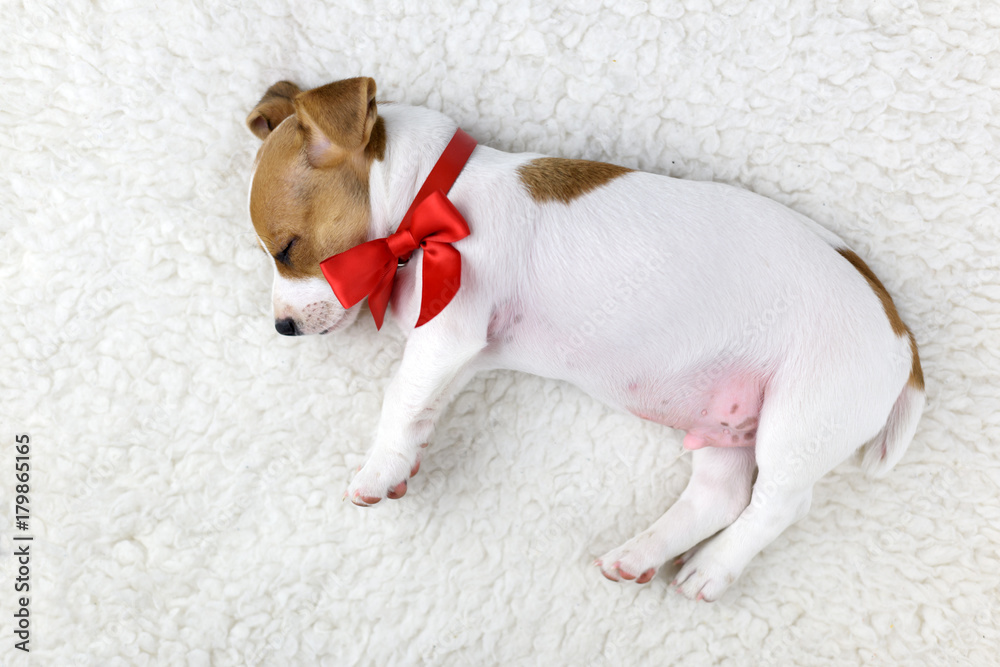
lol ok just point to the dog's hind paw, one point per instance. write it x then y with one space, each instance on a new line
703 577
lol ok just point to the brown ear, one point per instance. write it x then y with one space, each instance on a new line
274 107
337 119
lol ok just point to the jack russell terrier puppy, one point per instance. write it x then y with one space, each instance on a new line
695 305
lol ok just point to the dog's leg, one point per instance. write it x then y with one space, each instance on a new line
710 569
801 437
433 369
718 491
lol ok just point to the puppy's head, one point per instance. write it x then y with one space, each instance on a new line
309 192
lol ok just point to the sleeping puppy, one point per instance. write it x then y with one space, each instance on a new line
695 305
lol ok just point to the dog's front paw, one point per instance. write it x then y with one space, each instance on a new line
636 560
382 476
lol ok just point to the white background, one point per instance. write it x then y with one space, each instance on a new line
189 463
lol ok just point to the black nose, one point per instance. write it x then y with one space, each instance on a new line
286 327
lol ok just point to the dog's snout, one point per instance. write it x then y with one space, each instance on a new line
286 327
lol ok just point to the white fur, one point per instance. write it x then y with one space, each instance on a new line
646 291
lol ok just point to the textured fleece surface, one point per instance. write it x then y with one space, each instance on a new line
189 463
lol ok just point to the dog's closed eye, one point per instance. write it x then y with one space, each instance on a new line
283 255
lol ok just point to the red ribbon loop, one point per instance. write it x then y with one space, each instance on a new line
432 224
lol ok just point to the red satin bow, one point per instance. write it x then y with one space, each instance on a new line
369 269
432 223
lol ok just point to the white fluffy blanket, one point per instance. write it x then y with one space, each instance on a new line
189 463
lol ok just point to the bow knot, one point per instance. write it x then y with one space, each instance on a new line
369 269
402 243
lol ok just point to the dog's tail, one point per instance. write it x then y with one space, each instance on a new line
884 450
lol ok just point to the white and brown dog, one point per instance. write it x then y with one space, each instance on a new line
696 305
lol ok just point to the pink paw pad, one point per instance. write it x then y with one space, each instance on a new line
397 491
616 569
624 575
643 578
646 576
364 501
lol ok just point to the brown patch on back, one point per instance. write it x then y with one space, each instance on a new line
916 379
559 179
899 327
895 321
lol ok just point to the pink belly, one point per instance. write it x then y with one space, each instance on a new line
725 415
